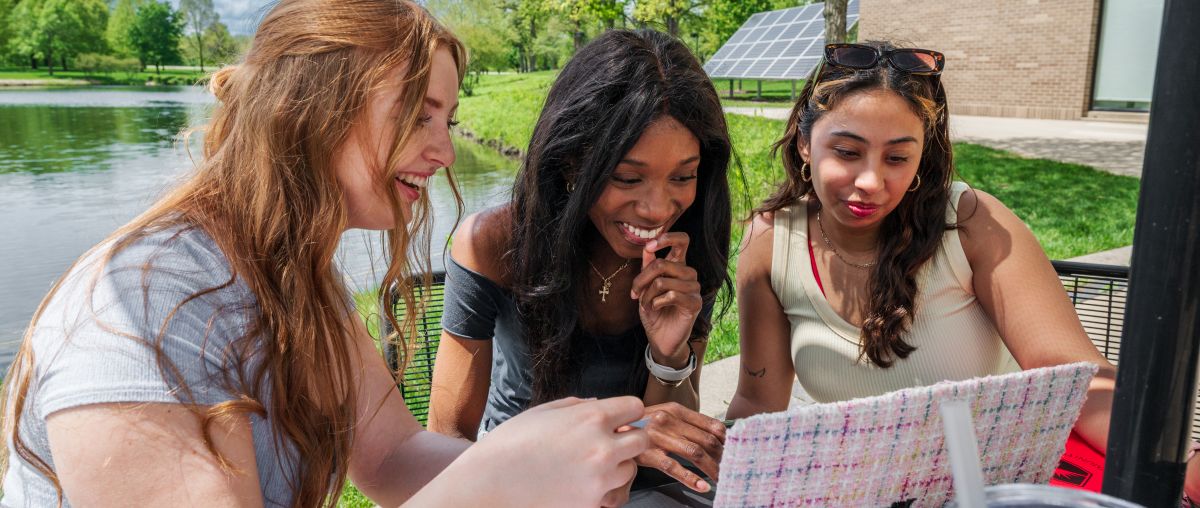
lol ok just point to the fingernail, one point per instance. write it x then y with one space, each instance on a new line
702 485
653 245
633 294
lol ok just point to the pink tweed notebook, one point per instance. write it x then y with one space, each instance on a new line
877 451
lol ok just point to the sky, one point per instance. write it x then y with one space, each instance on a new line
240 16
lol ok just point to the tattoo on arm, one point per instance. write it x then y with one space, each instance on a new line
755 373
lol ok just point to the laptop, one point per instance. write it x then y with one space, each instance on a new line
889 450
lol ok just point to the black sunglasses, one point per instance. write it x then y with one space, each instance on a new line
922 62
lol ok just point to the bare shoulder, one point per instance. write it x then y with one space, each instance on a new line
987 223
754 256
482 240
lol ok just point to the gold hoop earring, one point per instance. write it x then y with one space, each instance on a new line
918 185
802 172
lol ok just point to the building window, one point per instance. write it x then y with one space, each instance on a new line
1127 54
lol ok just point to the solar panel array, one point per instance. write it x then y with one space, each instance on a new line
783 44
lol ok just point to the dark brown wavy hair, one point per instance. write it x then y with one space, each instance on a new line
910 235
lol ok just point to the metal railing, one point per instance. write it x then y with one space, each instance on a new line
419 350
1098 292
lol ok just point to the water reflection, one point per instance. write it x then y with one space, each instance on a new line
76 164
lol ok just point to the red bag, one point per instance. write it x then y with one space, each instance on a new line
1081 466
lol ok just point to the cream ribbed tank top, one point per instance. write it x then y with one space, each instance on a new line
954 337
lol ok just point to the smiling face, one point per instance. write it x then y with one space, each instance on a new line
652 186
362 160
864 155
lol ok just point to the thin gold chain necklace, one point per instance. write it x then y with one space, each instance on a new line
825 238
606 282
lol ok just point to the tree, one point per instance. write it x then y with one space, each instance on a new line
120 22
669 12
155 34
483 27
59 29
221 46
525 17
6 8
198 16
583 12
835 21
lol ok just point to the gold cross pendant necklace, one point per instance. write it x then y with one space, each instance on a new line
606 282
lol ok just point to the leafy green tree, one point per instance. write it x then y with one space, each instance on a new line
21 26
221 46
120 22
527 16
155 34
198 17
6 8
56 30
668 12
583 12
483 27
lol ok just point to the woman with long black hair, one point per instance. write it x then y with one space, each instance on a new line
599 277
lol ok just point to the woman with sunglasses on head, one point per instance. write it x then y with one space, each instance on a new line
599 277
208 352
871 269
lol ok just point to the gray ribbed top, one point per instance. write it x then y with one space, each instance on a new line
81 356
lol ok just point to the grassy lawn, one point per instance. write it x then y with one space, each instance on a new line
504 107
168 77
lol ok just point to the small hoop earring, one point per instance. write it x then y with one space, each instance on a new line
918 185
803 172
570 187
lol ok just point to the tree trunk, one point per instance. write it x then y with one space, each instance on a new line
673 26
50 63
835 21
200 49
63 59
578 35
532 43
33 61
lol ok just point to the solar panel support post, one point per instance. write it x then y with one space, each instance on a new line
758 94
731 89
1156 384
793 95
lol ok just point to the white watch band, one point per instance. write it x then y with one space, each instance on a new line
668 374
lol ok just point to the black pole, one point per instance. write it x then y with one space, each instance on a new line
1156 383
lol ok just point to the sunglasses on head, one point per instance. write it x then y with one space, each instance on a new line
922 62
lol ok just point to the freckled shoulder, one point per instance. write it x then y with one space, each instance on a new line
481 241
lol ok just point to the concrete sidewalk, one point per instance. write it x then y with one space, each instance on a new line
718 380
1111 146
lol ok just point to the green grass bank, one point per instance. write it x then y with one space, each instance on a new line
41 77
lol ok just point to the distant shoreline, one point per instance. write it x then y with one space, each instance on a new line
44 82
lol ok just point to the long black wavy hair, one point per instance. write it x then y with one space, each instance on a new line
597 109
911 234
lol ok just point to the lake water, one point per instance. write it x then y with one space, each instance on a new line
77 163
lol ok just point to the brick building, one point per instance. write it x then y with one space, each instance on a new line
1060 59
